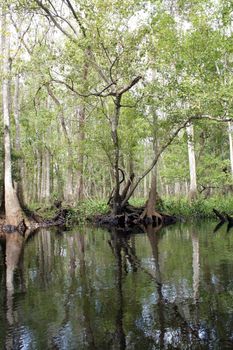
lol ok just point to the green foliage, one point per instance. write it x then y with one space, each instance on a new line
201 208
181 207
182 50
87 209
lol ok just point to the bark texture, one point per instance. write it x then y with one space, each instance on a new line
13 210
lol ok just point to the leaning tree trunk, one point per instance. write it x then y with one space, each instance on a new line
13 210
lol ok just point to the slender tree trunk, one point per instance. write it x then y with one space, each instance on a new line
39 175
114 127
48 177
80 180
45 176
230 130
177 188
19 185
145 187
12 207
192 162
82 117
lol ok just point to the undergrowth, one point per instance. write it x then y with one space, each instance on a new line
181 207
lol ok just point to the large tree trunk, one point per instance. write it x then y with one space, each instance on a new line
12 207
192 162
149 214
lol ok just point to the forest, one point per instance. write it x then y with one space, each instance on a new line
116 122
112 100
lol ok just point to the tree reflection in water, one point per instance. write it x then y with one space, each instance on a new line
100 290
172 321
14 250
76 246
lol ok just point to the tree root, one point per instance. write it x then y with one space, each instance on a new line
134 216
151 217
36 221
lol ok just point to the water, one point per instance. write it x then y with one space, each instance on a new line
92 289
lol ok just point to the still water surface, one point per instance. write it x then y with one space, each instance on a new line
92 289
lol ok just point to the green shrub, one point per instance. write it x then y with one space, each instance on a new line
198 208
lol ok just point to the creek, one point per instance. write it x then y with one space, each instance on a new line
93 289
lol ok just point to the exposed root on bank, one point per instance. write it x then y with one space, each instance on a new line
34 221
134 216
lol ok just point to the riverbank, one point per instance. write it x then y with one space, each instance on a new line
180 207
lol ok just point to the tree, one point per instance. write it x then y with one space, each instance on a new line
192 162
13 210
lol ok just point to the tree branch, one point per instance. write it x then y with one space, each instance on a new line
97 94
50 15
128 87
76 17
21 35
